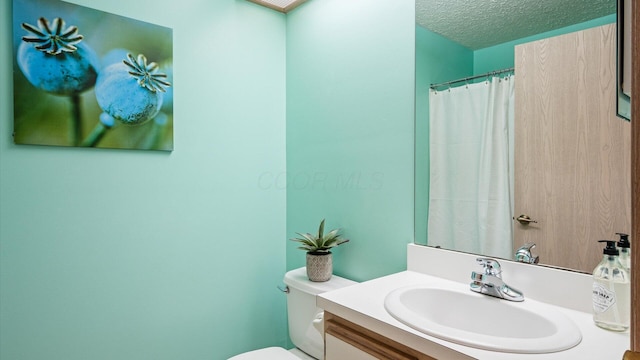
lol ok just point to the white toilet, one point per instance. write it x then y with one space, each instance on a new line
305 319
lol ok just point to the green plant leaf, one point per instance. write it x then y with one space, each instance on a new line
321 229
308 236
333 234
319 243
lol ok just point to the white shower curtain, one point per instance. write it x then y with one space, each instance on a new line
471 168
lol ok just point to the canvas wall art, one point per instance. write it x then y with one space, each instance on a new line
87 78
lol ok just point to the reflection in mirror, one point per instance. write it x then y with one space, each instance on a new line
624 59
461 39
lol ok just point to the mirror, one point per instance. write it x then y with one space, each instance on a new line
459 39
623 64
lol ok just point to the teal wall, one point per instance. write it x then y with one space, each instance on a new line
280 121
116 254
350 110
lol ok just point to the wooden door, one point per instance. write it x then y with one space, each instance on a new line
572 153
635 175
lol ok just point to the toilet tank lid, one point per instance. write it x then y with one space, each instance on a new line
298 279
265 354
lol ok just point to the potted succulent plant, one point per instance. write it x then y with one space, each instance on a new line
318 248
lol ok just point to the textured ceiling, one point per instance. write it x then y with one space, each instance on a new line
477 24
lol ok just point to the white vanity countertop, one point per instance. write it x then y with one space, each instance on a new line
363 304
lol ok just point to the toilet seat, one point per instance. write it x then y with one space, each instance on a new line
271 353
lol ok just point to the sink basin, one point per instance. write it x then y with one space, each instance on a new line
464 317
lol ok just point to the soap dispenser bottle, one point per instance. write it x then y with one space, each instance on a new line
624 247
611 291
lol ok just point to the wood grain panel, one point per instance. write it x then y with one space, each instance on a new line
635 176
629 355
368 341
572 159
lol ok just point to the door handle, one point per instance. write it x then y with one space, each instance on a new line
525 219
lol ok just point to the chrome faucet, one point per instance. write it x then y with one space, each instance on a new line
523 254
489 282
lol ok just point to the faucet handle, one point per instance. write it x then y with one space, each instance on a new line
491 266
524 254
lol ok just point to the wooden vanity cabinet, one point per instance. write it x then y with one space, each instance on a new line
346 340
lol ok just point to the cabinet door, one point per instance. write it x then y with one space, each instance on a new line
337 349
345 340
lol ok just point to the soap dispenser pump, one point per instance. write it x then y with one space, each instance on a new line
611 291
624 246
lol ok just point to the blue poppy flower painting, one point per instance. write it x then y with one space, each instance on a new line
87 78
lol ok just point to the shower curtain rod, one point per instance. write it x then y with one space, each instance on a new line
490 73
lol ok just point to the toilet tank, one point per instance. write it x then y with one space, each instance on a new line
302 310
